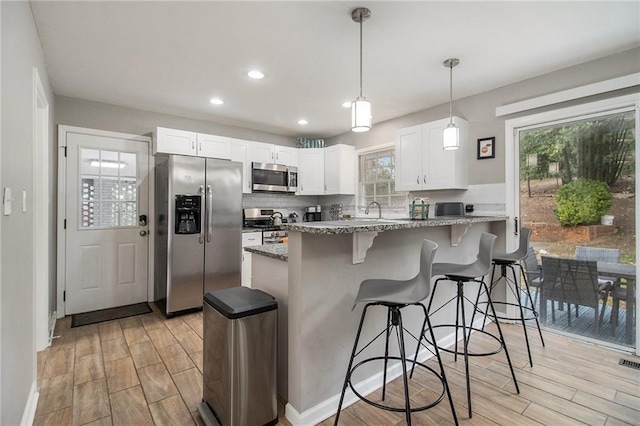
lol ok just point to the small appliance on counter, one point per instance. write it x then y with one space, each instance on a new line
449 209
335 211
419 209
312 214
293 217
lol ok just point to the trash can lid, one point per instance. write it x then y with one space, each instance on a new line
239 302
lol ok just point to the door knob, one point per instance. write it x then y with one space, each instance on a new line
143 233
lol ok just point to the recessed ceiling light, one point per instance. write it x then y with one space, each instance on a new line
303 122
347 104
216 101
255 74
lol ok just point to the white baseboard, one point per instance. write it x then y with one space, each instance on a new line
328 407
29 413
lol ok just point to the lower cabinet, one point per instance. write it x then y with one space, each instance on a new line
248 239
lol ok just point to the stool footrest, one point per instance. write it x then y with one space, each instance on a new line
397 409
461 351
533 312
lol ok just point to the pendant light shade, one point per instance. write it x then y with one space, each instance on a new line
361 107
451 136
360 115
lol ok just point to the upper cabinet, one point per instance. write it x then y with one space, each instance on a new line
261 152
311 171
172 141
340 170
422 164
240 152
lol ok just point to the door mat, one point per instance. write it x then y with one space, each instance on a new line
86 318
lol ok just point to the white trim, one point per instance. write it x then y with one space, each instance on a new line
63 130
40 209
570 94
514 126
29 413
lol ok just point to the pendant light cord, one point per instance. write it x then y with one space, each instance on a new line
360 54
451 94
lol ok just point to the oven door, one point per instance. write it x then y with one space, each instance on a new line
268 177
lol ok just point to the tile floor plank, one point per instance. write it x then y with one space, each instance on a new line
90 402
115 349
88 368
110 330
156 382
121 374
190 341
56 393
135 335
162 337
55 418
175 358
59 362
144 354
88 344
189 383
171 411
128 407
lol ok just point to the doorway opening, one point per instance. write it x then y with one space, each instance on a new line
577 193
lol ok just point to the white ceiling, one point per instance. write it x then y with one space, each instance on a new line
172 57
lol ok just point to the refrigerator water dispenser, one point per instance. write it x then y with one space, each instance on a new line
188 214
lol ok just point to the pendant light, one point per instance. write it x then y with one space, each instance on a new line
451 137
361 107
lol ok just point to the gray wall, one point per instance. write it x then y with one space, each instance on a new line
21 52
96 115
479 110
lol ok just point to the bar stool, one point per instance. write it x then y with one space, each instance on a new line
396 295
511 261
461 274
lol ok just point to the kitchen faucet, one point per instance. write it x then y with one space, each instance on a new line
379 208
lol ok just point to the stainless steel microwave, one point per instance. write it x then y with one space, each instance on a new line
267 177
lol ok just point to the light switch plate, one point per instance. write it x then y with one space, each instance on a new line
6 201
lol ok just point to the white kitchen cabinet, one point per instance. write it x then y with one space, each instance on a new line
172 141
240 152
311 171
422 164
182 142
213 146
248 239
286 155
260 152
340 170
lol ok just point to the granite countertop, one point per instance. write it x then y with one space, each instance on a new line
275 251
246 230
365 225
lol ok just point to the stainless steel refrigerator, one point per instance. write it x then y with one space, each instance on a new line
198 238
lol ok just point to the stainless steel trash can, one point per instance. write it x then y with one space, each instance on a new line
239 361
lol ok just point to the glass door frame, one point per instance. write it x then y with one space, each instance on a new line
513 128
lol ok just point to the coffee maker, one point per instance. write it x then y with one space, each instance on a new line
312 214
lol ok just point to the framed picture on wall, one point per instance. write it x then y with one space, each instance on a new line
486 148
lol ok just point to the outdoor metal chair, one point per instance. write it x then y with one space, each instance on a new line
533 271
574 282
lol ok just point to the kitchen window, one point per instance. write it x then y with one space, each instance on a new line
376 180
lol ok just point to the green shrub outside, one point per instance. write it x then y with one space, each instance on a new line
582 202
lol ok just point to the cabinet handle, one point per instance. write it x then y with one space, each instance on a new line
424 179
277 156
193 144
325 187
418 180
200 146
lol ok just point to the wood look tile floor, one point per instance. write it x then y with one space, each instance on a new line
148 370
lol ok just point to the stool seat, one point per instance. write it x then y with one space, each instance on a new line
396 295
469 271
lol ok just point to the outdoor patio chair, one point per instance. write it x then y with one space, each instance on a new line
533 270
574 282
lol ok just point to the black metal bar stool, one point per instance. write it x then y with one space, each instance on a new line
510 261
396 295
461 274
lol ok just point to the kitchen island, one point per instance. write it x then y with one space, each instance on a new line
324 265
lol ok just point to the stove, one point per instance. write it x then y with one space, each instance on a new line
261 219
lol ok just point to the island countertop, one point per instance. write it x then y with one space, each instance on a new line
366 225
275 251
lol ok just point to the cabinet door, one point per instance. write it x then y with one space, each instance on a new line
311 171
214 146
260 152
444 169
240 152
171 141
339 170
248 239
409 176
286 155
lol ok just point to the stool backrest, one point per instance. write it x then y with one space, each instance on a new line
423 280
525 236
485 253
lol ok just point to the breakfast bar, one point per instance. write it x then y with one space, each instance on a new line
315 279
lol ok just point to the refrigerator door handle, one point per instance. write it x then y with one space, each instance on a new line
209 213
201 237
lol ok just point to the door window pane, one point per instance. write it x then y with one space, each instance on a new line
108 189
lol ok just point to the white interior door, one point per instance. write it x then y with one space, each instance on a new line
106 240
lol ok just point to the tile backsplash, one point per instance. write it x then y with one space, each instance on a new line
298 203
